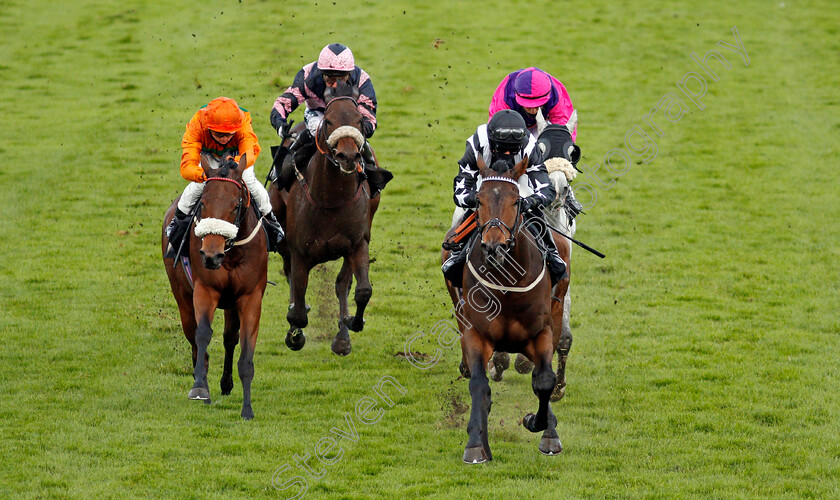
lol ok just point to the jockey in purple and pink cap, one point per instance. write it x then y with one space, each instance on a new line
547 109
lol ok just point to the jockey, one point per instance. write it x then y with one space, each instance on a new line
502 143
335 63
220 129
543 102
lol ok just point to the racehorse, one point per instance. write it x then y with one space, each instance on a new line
229 271
505 306
327 215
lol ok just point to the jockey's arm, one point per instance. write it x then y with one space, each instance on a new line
464 183
288 102
191 146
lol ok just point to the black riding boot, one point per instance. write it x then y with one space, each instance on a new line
303 147
274 231
556 265
377 176
572 206
175 231
453 268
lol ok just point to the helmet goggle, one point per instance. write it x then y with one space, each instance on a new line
508 134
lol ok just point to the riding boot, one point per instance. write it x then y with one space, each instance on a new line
556 265
572 206
175 232
274 231
303 147
377 176
453 268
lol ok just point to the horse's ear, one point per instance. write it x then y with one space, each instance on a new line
479 159
243 162
356 93
328 94
205 165
520 168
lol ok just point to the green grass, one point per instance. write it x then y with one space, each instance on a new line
704 361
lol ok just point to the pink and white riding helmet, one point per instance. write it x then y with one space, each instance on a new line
336 57
533 87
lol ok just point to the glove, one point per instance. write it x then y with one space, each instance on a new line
283 131
470 200
530 203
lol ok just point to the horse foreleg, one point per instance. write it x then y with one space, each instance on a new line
249 307
564 345
341 342
361 264
205 301
540 351
478 352
297 315
231 338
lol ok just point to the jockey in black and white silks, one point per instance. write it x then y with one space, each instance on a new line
502 143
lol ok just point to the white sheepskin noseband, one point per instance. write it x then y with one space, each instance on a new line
215 226
345 131
563 165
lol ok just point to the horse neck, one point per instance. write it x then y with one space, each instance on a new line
327 183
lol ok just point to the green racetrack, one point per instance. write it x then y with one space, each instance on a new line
705 350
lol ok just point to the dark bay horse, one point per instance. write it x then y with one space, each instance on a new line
327 215
229 271
506 307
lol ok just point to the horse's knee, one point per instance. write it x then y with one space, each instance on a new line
565 343
203 333
246 369
363 295
543 380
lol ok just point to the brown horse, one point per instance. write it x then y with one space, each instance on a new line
231 248
327 215
506 307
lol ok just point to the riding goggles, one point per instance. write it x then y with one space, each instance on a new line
507 134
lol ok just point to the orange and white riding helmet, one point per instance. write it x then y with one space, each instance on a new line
224 115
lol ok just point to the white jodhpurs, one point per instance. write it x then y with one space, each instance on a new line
260 196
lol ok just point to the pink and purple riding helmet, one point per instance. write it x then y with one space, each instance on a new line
533 87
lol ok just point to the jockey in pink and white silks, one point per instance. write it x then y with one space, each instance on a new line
502 143
543 102
335 64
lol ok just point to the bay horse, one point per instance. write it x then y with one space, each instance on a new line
514 316
327 214
229 271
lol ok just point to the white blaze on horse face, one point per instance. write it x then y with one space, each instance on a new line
216 226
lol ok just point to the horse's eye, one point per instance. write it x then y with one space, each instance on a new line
327 122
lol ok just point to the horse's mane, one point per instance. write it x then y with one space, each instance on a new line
501 166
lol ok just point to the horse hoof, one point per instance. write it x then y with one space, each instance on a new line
295 339
353 323
550 446
248 413
497 365
226 386
523 365
341 347
199 393
475 455
558 393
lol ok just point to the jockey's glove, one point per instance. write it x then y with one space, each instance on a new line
530 203
471 200
283 130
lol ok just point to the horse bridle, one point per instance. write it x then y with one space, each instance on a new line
497 222
322 135
243 200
